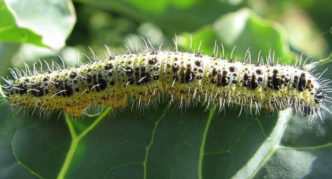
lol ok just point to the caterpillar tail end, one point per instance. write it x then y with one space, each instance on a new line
1 92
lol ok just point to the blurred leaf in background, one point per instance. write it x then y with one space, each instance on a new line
164 142
43 23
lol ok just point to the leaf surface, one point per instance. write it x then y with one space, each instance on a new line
43 23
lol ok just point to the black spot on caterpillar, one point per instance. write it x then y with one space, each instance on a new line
181 75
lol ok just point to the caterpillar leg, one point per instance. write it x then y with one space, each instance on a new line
269 109
74 111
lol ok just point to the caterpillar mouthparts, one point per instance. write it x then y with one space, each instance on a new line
182 75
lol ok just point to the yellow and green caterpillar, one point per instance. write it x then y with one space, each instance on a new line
181 75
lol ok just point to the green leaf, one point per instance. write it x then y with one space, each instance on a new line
43 23
305 151
160 142
241 30
171 16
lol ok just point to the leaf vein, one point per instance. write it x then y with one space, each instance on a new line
148 147
202 147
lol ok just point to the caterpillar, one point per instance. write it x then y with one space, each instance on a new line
183 76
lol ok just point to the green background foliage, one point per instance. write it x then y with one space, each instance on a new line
164 141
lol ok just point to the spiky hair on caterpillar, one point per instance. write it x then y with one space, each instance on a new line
183 76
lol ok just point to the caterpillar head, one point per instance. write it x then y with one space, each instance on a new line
319 96
321 99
